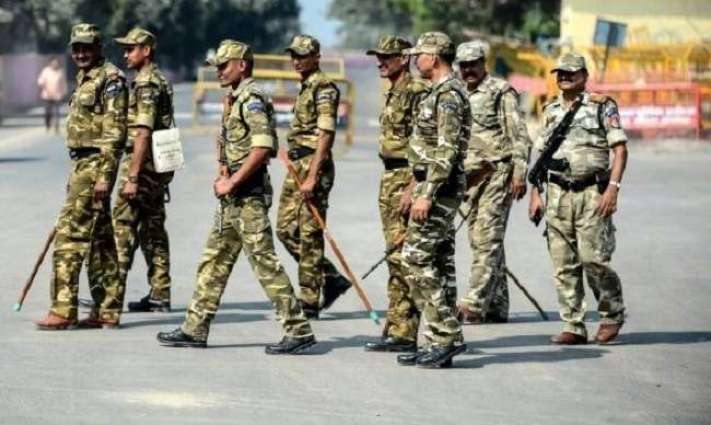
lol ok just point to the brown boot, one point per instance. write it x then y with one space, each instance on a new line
52 322
468 317
568 338
606 333
95 320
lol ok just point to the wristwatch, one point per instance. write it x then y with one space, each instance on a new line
615 183
133 179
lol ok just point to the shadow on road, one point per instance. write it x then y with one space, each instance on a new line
346 315
249 305
632 338
562 355
20 159
178 319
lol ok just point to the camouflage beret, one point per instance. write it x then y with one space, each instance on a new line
85 34
303 44
470 51
137 36
390 45
432 42
230 49
570 62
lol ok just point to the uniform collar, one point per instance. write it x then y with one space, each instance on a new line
483 84
145 71
312 77
241 86
442 80
401 83
584 94
92 73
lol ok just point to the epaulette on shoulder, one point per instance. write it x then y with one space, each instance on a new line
598 98
549 103
113 72
418 85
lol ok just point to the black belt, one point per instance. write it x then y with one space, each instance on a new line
253 185
394 163
449 188
299 152
78 153
573 185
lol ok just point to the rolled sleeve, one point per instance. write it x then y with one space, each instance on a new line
261 130
113 137
146 107
327 98
517 133
613 127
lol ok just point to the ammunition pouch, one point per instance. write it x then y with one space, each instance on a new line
79 153
601 180
394 163
253 186
299 152
450 188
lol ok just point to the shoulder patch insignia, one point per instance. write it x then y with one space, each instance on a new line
255 105
325 96
114 87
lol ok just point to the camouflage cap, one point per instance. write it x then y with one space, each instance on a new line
303 44
390 45
137 36
230 49
85 34
570 62
470 52
432 42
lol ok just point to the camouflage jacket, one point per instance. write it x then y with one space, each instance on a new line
498 127
315 107
440 136
249 124
150 102
594 130
97 116
398 115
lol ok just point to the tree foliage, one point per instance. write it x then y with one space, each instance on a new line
363 21
185 28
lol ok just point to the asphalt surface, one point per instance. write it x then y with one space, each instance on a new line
658 372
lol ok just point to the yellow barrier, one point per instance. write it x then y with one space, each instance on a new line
282 83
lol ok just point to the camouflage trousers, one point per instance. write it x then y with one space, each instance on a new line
581 241
490 203
428 253
245 225
141 222
402 316
84 232
302 237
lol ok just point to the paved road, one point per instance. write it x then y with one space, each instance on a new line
659 373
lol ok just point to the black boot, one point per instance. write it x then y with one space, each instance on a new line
310 311
392 344
439 356
410 359
334 288
178 338
147 304
290 345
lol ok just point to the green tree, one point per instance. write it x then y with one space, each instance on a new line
363 22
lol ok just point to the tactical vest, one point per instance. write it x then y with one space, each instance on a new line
86 118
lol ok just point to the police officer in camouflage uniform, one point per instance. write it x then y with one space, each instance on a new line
441 131
396 118
139 215
96 134
581 198
496 162
242 221
310 139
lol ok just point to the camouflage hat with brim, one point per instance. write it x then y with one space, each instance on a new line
228 50
303 44
432 42
470 51
85 34
390 45
570 62
137 36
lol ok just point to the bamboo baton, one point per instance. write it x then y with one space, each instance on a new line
322 224
38 263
